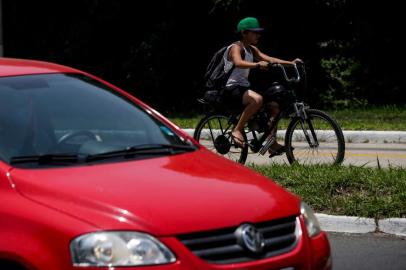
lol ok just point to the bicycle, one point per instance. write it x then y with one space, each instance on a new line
312 136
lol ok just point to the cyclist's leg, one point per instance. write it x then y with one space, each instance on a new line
273 111
253 102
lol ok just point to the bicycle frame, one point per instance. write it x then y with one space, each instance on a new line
262 144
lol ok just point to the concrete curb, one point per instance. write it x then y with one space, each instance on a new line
354 136
350 224
372 136
395 226
346 224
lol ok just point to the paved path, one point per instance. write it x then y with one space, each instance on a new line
358 154
363 148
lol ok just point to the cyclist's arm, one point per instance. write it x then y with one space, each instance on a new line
235 53
270 59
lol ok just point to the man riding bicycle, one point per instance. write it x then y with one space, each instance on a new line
238 89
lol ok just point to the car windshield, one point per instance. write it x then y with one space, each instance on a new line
57 117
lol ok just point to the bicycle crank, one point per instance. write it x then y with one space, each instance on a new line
222 144
266 146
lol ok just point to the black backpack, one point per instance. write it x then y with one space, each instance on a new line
215 77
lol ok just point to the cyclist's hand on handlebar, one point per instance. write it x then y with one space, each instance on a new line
263 65
298 61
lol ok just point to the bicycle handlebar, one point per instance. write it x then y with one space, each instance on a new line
295 78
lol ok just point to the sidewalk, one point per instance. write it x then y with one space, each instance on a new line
351 224
355 136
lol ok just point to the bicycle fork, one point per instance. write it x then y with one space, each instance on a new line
301 114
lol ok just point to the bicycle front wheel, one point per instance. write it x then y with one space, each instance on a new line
214 132
315 140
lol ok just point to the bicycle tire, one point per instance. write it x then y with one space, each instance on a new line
214 133
330 146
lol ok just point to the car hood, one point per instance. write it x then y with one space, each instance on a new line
168 195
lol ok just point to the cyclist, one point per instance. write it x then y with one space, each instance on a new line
238 89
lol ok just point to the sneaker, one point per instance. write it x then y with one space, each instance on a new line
277 152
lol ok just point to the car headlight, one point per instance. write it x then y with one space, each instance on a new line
310 219
119 249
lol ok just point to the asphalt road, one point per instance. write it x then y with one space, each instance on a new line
367 251
359 154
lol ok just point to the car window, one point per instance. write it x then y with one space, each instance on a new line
72 113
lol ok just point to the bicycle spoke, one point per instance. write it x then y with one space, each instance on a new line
316 141
313 132
214 134
211 132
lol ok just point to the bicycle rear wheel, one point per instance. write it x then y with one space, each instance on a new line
315 140
214 132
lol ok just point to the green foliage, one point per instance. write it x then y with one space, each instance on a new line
225 5
161 54
343 89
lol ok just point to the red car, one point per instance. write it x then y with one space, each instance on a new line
92 178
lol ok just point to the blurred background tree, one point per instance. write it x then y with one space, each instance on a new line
158 49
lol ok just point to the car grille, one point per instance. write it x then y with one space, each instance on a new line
222 246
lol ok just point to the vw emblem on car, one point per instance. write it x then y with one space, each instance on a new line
250 238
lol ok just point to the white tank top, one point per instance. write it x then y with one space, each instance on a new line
239 76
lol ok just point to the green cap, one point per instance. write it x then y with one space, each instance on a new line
250 24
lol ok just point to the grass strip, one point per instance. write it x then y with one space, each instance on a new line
374 118
339 190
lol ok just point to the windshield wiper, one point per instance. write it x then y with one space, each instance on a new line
45 159
139 150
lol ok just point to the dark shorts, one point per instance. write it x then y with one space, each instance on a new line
232 95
